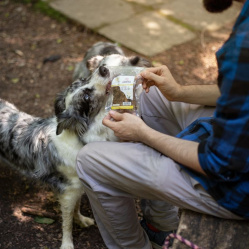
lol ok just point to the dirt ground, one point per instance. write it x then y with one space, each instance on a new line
27 37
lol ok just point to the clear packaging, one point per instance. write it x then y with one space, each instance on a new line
126 89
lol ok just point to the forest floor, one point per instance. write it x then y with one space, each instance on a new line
27 38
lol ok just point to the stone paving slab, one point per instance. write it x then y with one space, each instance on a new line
94 13
146 2
145 26
148 33
193 13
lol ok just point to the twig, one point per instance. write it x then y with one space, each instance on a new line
38 212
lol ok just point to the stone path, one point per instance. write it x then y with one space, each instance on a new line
145 26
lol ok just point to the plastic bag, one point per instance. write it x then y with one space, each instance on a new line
126 89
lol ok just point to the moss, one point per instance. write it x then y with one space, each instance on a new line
181 23
138 8
44 8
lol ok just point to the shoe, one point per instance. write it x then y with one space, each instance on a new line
156 236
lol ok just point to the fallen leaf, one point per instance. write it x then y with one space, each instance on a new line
70 68
43 220
19 52
33 46
39 66
181 62
15 80
52 58
59 40
53 26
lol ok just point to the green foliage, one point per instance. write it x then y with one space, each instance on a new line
179 22
43 220
44 8
47 10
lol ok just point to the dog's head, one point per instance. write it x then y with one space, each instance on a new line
100 48
116 60
103 49
78 105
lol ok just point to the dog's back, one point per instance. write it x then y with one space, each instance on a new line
24 145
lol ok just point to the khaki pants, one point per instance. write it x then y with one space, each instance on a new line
114 173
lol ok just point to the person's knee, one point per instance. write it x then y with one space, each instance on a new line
84 159
146 99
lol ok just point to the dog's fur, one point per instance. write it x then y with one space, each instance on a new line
46 149
99 51
82 69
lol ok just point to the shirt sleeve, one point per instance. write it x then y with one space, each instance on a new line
224 155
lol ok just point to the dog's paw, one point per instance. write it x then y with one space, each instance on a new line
84 221
67 245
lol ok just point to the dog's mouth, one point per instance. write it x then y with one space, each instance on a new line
109 84
108 88
109 75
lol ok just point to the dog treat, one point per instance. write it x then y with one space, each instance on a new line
126 89
122 87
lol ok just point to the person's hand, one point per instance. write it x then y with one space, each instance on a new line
163 80
126 126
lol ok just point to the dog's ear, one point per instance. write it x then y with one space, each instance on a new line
68 120
139 61
59 104
94 62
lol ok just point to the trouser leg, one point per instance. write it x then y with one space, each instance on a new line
117 221
115 173
169 118
114 176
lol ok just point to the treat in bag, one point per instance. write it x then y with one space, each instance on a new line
126 88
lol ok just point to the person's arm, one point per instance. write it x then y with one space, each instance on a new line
199 94
193 94
182 151
131 128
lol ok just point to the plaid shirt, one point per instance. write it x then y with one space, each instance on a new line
224 139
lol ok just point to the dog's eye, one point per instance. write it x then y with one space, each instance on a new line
86 97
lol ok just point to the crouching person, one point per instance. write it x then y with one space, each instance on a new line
189 150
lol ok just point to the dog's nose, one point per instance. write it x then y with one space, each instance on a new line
103 71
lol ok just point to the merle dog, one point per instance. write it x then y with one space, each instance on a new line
45 149
99 51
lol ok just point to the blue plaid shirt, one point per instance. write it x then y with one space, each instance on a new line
224 139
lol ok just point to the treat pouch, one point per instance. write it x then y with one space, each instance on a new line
125 89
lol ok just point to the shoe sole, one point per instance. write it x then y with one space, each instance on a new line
155 246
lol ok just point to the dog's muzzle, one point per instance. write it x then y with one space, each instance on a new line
104 72
108 87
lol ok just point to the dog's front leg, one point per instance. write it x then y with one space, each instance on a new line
68 202
79 218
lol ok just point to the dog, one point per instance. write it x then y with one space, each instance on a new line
45 149
82 69
98 55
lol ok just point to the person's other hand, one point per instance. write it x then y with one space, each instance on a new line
126 126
